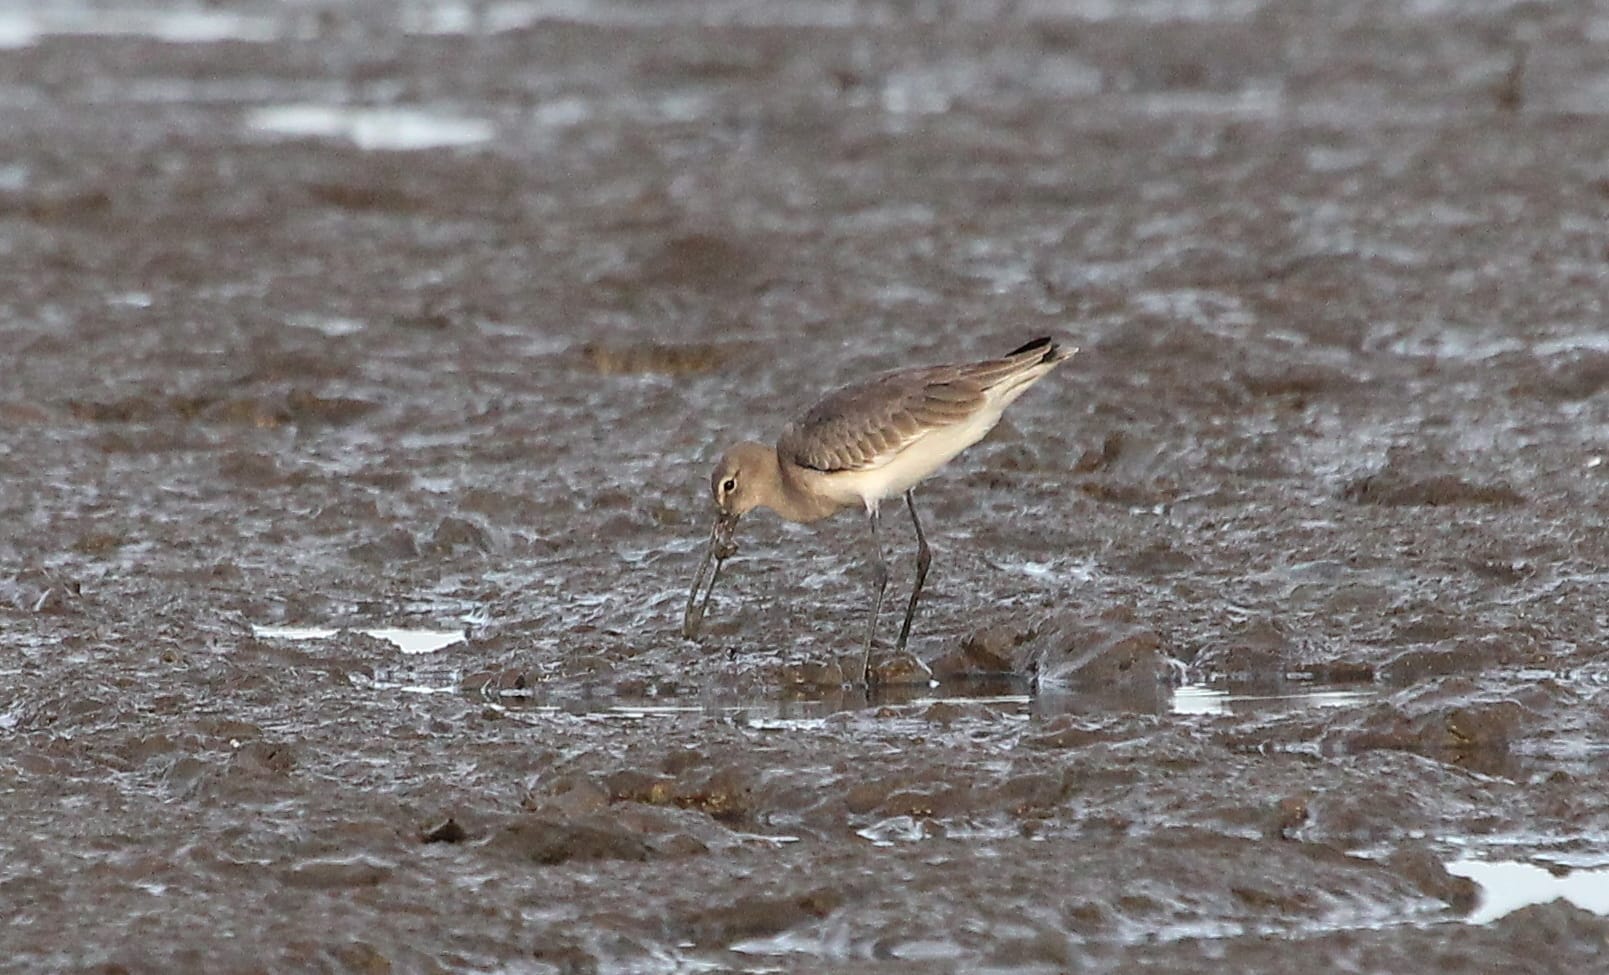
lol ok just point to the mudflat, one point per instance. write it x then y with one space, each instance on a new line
364 363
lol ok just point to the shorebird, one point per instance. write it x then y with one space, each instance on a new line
860 445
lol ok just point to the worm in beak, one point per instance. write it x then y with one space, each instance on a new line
721 547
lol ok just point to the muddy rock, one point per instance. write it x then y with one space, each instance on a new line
895 669
1257 650
263 758
447 831
1456 656
578 795
758 917
634 785
812 673
547 841
1076 651
396 545
1426 871
722 793
984 653
453 534
1439 724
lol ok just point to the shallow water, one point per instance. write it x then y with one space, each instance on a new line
390 128
418 325
1508 885
26 24
1218 701
410 641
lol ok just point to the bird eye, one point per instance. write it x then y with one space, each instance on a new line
729 486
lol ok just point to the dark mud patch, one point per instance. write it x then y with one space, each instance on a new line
1393 488
650 357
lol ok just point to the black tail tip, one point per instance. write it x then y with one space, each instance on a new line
1044 344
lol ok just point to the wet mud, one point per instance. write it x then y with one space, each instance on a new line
363 364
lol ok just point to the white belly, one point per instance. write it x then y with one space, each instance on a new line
920 458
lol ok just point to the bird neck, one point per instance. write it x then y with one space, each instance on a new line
791 498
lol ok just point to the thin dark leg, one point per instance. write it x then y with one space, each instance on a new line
881 581
924 558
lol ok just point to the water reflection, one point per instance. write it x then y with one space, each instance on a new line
21 28
1508 885
376 128
1201 699
409 641
804 706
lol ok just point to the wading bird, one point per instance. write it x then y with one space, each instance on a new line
864 443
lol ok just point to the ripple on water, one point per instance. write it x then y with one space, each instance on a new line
373 128
800 709
22 28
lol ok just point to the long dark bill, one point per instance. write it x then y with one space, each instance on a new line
720 548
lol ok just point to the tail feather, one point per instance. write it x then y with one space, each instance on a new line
1006 377
1041 342
1050 352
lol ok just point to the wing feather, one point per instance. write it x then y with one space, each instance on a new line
862 426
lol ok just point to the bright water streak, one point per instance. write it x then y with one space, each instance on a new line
378 128
1508 885
28 25
1199 699
409 641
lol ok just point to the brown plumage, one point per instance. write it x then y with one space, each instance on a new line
863 443
860 425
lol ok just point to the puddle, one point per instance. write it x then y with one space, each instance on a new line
381 128
409 641
22 28
1011 698
1508 885
761 715
493 16
1194 699
1200 699
482 17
